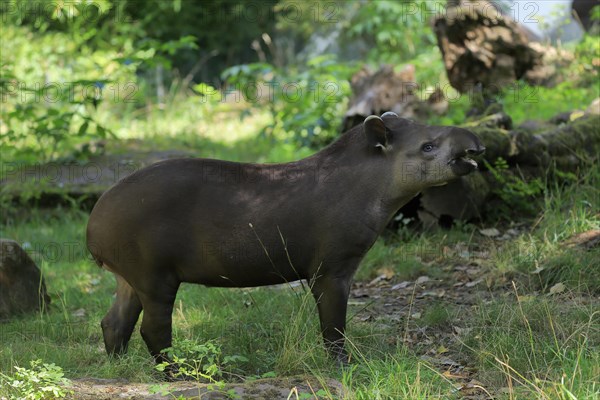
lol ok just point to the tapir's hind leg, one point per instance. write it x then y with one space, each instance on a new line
120 320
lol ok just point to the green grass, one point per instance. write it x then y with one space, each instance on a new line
438 315
521 343
544 103
533 344
538 345
525 102
409 254
241 320
542 253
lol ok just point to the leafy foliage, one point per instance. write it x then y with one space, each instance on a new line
228 26
395 31
201 362
516 192
305 105
50 127
41 381
54 81
51 87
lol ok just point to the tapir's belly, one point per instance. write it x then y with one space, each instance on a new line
198 246
239 264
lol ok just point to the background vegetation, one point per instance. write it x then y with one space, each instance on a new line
268 81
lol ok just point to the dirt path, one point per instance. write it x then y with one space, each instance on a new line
383 302
261 389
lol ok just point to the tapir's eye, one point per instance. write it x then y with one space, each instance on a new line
427 147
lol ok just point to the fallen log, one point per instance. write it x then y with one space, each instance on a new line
375 92
529 155
562 146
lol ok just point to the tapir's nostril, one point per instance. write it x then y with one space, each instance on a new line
479 150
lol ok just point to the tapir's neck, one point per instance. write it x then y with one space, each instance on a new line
360 179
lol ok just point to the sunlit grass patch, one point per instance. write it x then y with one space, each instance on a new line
545 253
396 376
537 345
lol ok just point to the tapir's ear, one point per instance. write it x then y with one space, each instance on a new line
389 114
398 121
376 132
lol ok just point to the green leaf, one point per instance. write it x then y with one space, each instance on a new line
83 129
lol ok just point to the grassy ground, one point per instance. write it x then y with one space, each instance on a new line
444 314
528 329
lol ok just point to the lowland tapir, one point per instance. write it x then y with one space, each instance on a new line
228 224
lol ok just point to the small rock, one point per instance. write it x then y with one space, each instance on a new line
474 283
22 288
594 108
461 331
79 313
490 232
443 361
377 280
558 288
401 285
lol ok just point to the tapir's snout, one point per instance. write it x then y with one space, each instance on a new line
464 144
479 150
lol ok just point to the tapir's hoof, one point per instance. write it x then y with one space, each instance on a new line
343 361
341 358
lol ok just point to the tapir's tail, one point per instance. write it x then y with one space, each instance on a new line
100 263
97 260
89 243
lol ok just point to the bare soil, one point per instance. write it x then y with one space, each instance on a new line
261 389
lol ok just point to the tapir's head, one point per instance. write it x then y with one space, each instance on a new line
422 156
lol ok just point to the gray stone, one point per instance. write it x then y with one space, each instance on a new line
594 108
22 288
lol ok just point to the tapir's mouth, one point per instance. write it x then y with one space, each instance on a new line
463 165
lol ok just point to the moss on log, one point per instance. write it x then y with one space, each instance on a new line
562 145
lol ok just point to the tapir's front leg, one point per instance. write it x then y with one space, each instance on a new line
331 294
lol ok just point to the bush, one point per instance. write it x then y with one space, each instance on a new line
41 381
306 106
